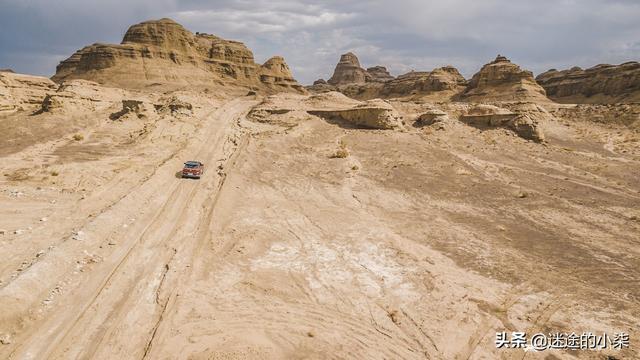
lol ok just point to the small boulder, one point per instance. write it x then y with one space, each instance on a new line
175 106
431 117
128 106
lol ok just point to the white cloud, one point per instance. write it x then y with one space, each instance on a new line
249 22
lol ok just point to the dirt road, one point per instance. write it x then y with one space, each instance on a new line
120 297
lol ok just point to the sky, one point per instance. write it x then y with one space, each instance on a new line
402 35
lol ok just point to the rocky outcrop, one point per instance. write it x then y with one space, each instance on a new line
600 84
348 71
425 82
320 86
289 109
372 114
379 74
431 117
376 82
23 92
619 113
162 52
276 72
522 121
81 94
174 106
502 80
129 107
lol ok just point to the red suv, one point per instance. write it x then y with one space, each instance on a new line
193 169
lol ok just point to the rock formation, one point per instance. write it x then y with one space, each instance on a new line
276 72
129 107
379 74
348 71
431 117
372 114
163 52
502 80
425 82
376 82
619 113
488 116
81 94
23 92
287 110
599 84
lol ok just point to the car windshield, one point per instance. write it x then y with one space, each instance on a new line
190 165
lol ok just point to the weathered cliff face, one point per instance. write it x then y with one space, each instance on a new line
164 52
502 80
74 95
600 84
23 92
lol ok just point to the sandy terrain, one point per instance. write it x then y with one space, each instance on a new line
417 243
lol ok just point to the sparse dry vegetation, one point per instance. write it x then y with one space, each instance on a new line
342 151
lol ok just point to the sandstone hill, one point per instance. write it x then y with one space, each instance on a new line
600 84
502 80
354 81
348 71
163 52
379 73
445 81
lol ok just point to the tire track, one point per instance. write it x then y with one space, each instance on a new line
60 324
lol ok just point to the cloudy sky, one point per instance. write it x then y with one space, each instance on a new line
400 34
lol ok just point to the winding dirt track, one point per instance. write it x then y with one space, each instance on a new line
115 311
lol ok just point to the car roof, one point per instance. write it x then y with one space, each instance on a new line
192 163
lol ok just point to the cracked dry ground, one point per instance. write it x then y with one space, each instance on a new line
416 245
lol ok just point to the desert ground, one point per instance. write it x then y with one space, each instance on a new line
420 243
